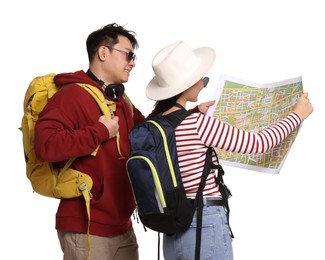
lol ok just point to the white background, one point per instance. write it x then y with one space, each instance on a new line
273 216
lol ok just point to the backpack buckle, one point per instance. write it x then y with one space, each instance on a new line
83 186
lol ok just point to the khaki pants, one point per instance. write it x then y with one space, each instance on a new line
75 246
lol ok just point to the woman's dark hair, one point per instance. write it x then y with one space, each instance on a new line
163 105
108 36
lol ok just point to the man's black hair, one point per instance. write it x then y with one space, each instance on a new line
108 36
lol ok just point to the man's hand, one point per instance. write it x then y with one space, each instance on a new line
111 125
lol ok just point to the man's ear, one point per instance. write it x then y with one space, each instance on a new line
101 53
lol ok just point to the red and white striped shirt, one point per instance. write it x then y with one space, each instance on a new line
199 131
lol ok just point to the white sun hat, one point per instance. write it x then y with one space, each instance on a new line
177 68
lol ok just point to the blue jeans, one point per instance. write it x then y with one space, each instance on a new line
216 241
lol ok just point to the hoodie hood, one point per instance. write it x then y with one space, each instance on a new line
74 77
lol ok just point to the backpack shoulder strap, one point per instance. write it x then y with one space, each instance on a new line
224 190
129 102
107 107
176 117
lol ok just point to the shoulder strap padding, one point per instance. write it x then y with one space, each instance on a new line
176 117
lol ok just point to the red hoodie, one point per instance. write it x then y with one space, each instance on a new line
68 127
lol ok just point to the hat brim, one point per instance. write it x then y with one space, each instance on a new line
155 92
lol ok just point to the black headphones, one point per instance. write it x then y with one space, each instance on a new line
113 91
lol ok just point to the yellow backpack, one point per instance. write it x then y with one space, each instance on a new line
46 179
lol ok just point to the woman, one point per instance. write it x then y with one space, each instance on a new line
179 78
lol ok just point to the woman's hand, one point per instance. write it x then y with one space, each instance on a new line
203 107
303 107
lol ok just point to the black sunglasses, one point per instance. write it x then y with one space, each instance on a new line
129 55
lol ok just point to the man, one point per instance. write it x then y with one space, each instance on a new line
71 125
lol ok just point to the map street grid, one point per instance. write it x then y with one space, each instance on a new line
254 107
